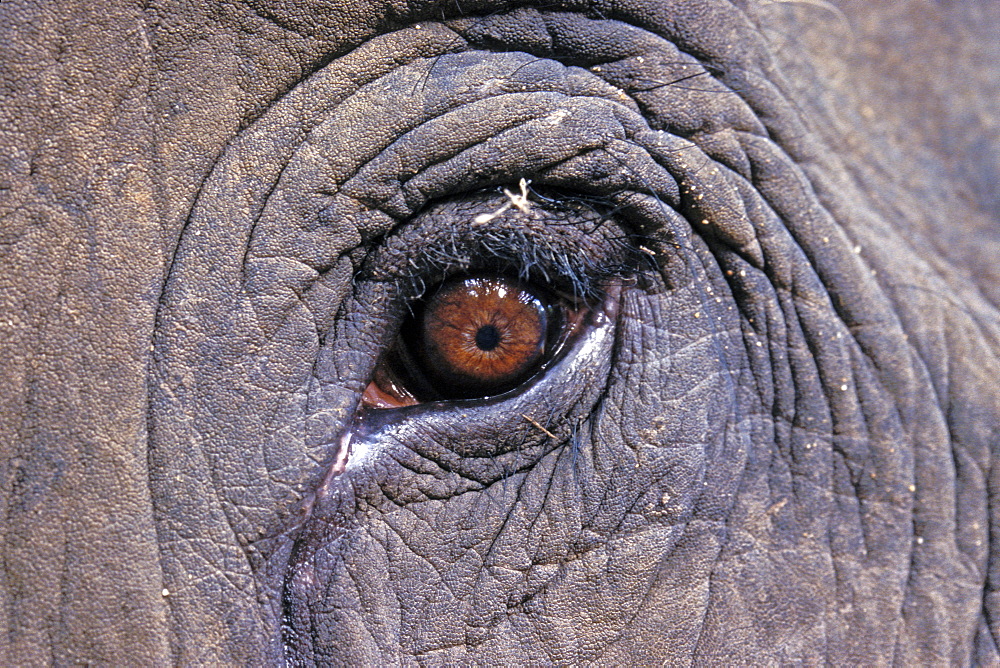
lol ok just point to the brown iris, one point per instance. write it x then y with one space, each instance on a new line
481 334
473 337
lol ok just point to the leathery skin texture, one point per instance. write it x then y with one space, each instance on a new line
771 440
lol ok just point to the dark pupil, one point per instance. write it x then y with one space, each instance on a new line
487 338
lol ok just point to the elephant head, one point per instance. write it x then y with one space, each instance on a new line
636 332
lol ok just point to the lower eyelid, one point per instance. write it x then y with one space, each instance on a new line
386 392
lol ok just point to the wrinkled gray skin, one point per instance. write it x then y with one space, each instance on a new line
777 443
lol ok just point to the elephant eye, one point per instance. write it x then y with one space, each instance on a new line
472 337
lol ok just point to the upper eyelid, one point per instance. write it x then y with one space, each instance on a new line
572 263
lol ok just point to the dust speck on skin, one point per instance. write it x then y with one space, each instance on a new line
538 426
518 201
776 506
306 576
556 117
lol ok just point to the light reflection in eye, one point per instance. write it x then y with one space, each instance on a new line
472 337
